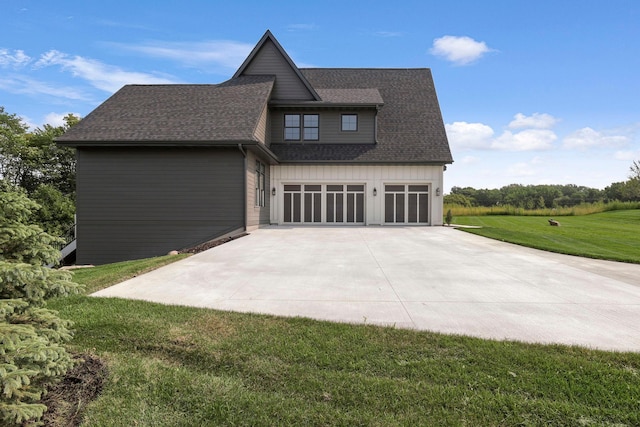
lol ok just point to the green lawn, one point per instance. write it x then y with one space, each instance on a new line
611 235
179 366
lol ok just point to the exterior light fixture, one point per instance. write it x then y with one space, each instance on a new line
375 191
438 191
273 191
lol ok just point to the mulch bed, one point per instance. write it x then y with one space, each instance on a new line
211 244
67 399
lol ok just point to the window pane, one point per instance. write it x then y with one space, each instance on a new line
355 187
394 188
421 188
339 208
291 188
334 187
311 120
312 188
349 122
311 134
292 134
292 120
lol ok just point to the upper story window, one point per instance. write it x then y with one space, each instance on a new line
349 122
292 127
311 122
307 127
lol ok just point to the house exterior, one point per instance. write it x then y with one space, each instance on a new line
164 167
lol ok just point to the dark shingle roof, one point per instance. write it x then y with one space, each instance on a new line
410 126
226 112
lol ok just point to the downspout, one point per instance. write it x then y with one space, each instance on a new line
244 186
375 125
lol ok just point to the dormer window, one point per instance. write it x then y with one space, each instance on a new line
306 126
349 122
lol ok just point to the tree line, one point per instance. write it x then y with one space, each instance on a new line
33 164
547 196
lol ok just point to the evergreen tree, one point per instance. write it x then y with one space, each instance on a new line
31 336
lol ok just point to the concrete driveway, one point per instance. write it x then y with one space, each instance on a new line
433 278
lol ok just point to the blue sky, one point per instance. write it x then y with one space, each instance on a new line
531 92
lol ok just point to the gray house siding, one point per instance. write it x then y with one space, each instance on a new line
141 202
271 62
257 215
329 127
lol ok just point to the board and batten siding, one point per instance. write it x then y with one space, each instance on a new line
330 127
257 215
372 176
141 202
269 61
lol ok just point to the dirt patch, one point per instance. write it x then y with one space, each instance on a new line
67 400
211 244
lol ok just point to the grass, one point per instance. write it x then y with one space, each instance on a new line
583 209
179 366
96 278
613 235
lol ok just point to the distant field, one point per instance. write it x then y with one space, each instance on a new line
611 235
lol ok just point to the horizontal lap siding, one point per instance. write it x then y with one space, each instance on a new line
257 215
140 202
269 61
330 127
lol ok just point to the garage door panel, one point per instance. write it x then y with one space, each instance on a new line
406 204
324 203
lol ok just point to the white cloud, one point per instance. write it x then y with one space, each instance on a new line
214 53
102 76
57 119
478 136
13 59
590 138
520 169
526 140
469 160
627 156
463 135
27 86
459 50
536 121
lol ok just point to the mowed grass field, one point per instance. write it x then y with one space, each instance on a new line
181 366
613 235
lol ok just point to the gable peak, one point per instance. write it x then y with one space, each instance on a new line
269 38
